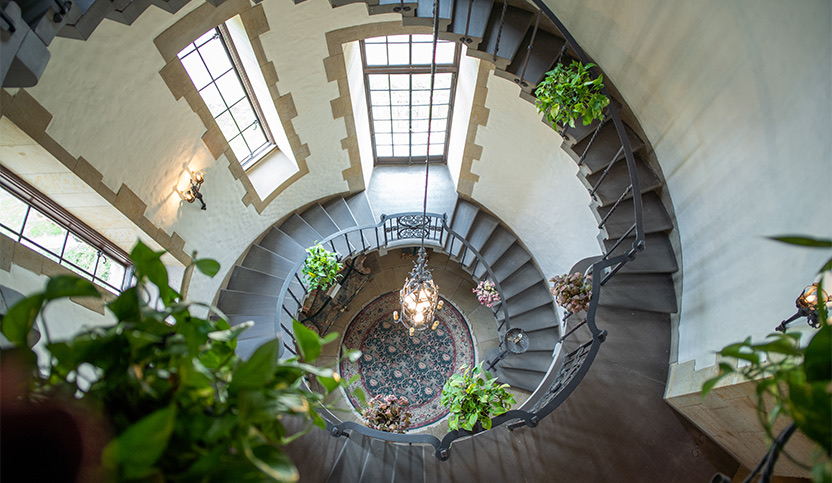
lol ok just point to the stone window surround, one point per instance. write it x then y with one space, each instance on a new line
189 28
336 71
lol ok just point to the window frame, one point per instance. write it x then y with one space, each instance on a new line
410 69
34 199
256 155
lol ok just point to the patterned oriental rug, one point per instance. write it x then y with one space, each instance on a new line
393 363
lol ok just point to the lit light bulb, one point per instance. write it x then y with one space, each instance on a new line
435 324
198 177
396 315
189 197
412 331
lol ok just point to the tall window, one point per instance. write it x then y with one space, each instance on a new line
397 80
35 221
215 69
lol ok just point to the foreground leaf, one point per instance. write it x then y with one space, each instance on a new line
19 320
138 448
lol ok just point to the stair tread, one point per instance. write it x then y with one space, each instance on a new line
461 223
316 217
300 231
526 276
480 13
424 14
266 261
537 361
277 241
339 211
652 292
654 216
528 299
618 179
484 225
246 303
604 148
517 22
347 467
544 53
512 259
361 209
539 318
657 257
263 326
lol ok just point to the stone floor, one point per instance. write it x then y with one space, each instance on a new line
388 273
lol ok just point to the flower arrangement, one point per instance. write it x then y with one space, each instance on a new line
572 292
321 267
472 396
388 413
487 293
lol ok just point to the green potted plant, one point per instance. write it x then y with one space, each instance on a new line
160 395
321 267
568 93
473 396
388 413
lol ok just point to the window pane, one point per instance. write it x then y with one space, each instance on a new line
207 36
384 138
230 88
213 100
80 254
196 70
380 98
255 137
443 81
445 53
420 112
421 53
437 149
419 150
384 150
419 138
401 112
376 54
401 138
440 111
44 232
110 272
400 81
401 126
400 39
227 126
382 126
240 148
382 113
422 38
400 98
421 98
441 96
379 81
216 57
243 114
401 150
12 211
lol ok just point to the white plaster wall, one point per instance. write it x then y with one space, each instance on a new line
530 183
463 102
735 98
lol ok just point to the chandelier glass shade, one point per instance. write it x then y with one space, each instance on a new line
419 298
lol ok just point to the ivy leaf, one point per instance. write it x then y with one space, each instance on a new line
69 286
258 370
207 266
136 450
19 320
308 342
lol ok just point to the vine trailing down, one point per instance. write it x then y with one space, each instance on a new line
158 396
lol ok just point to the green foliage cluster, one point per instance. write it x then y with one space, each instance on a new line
568 93
321 267
472 396
181 404
791 381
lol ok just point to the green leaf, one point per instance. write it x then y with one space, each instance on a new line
63 286
271 461
126 306
308 342
818 356
331 337
148 263
803 241
259 369
137 449
19 320
207 266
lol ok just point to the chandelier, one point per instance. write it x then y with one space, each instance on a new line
420 295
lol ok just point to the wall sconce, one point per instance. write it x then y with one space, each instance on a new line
807 306
197 178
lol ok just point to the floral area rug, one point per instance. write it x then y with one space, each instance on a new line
393 363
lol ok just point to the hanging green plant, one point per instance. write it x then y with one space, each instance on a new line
568 93
321 267
473 396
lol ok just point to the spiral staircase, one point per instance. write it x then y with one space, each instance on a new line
619 401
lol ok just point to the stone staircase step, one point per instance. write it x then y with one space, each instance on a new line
652 292
300 231
517 22
341 3
604 149
276 241
532 361
461 223
246 347
544 52
24 54
93 12
636 339
528 299
501 239
523 278
340 213
268 262
618 179
380 464
658 255
543 340
512 259
171 6
542 317
520 379
475 23
484 226
410 462
263 325
321 222
424 14
406 9
127 14
244 279
361 210
244 303
655 217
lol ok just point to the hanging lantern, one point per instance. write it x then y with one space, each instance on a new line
419 298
